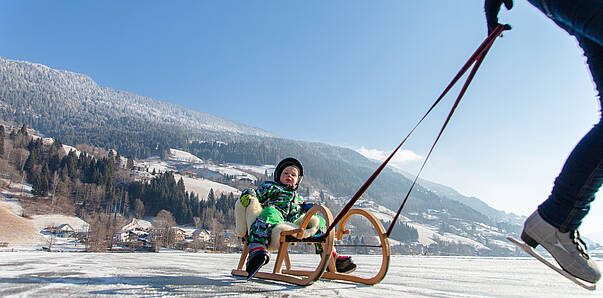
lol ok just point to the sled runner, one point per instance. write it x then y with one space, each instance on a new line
528 249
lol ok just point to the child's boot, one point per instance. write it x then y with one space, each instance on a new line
257 258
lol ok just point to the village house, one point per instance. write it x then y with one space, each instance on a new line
64 230
133 231
202 234
179 234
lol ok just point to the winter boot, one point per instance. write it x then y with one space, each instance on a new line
567 248
256 259
343 264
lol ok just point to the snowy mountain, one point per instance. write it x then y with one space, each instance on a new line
76 99
219 154
473 202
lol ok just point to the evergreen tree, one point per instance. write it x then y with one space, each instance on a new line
130 163
30 164
23 130
211 197
44 180
57 147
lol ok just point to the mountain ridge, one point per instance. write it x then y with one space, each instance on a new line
91 96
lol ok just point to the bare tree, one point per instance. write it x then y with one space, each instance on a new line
97 233
138 208
198 223
161 228
103 227
217 229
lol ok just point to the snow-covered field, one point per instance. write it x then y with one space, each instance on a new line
189 274
201 187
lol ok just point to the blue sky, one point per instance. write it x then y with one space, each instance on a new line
357 74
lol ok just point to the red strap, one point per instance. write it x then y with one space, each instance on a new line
476 58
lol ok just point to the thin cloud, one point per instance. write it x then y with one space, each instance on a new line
402 157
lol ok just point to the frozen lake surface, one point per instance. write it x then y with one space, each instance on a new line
43 274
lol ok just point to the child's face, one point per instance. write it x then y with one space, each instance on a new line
289 176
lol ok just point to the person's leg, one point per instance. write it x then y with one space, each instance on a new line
343 264
259 237
554 225
261 229
582 174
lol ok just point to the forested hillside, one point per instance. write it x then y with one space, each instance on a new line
85 185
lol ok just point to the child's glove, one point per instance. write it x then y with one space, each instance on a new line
246 196
245 200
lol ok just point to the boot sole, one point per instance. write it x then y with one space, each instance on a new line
528 240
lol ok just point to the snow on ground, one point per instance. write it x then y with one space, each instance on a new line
55 220
460 239
13 206
37 274
426 234
381 212
68 149
16 189
154 163
180 155
230 171
256 169
504 244
201 187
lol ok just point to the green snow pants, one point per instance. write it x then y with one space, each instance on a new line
261 229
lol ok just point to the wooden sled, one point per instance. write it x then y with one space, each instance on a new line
307 277
383 244
298 277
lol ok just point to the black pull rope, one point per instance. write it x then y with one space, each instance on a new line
456 103
478 55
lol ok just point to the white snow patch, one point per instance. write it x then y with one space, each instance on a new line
230 171
13 206
54 220
68 149
202 186
184 156
155 163
449 237
256 169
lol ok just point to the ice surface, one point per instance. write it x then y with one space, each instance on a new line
41 274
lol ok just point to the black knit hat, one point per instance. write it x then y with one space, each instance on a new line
289 161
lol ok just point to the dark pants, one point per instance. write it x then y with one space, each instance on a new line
582 174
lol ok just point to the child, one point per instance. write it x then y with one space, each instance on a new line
280 203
